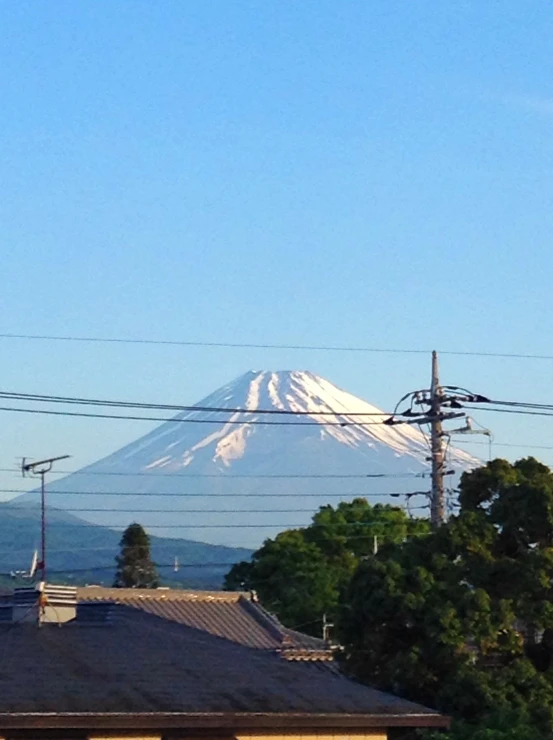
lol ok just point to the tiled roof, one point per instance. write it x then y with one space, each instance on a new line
143 664
232 615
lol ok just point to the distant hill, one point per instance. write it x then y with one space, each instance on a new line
237 478
79 552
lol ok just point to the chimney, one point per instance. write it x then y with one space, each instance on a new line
44 603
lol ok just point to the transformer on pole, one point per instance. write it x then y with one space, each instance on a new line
436 404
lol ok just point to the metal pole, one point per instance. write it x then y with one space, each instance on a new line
41 467
43 523
437 502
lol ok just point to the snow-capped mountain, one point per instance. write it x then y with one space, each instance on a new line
236 478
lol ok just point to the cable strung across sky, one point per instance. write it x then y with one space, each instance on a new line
485 404
240 476
14 396
286 525
121 417
187 494
254 345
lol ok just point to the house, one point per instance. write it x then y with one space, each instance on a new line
231 615
78 667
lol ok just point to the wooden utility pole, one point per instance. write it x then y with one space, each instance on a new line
437 499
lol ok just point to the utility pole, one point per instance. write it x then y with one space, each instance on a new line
432 406
40 468
437 498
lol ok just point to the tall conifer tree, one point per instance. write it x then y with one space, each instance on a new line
135 568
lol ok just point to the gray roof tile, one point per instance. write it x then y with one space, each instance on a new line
142 663
231 615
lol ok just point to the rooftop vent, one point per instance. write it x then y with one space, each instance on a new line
44 603
95 613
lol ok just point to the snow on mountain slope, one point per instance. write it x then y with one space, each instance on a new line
298 391
240 477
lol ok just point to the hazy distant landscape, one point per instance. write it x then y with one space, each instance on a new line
80 553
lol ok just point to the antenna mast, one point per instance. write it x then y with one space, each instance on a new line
40 468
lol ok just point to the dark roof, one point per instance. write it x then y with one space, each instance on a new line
141 664
232 615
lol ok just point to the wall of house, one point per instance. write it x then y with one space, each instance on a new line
123 736
345 735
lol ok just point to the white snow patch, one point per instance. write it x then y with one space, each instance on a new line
158 463
226 429
252 401
297 391
272 388
233 446
187 459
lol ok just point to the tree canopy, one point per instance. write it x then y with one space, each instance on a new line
459 618
301 573
135 568
462 619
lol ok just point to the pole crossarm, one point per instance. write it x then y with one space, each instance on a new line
433 406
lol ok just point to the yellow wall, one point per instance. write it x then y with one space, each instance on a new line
122 736
346 735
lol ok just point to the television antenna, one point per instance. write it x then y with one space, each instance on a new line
27 573
39 469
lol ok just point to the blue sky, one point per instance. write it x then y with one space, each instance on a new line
347 172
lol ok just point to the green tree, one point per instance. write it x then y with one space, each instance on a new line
301 573
135 568
462 619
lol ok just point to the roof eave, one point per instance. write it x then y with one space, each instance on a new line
217 721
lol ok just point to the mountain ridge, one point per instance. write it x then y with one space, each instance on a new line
236 466
79 552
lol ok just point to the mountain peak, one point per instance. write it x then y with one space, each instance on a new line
302 391
331 447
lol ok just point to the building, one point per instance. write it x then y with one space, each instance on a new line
99 669
234 616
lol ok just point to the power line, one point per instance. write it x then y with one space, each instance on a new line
203 511
511 411
157 565
172 543
114 566
180 565
504 444
186 343
81 401
346 494
523 404
56 550
237 475
176 420
276 525
258 345
516 407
